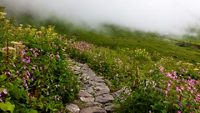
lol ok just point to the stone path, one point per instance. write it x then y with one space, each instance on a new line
94 96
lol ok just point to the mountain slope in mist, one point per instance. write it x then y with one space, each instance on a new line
163 16
115 37
36 76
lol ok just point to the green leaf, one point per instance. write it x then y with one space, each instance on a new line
33 111
2 77
7 106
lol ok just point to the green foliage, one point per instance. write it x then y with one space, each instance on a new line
7 106
145 101
144 62
34 76
136 69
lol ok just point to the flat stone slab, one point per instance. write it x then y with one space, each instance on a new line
92 104
83 93
94 109
99 88
87 99
103 91
105 98
90 90
97 79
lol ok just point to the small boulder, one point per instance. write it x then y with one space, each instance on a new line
73 108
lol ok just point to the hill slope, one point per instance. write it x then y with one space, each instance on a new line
163 76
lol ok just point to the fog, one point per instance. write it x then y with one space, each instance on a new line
163 16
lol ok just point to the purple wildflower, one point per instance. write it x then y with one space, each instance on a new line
26 60
25 83
28 73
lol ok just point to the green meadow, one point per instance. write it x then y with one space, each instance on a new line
162 72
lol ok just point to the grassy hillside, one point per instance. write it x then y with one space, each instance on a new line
116 37
163 75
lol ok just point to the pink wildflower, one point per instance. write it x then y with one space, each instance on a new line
197 98
178 89
191 82
172 75
169 75
31 49
189 88
169 84
182 88
179 111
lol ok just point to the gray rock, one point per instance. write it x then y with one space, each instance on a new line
73 108
100 92
77 72
97 79
108 104
92 104
76 68
109 108
105 98
90 90
99 88
84 75
83 93
94 109
87 99
98 84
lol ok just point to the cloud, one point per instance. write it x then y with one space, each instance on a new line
163 16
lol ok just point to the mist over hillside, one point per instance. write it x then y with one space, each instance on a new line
163 16
92 56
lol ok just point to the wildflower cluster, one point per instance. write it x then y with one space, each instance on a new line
2 15
115 67
82 46
34 75
152 90
185 91
141 54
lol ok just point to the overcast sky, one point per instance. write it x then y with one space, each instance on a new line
164 16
